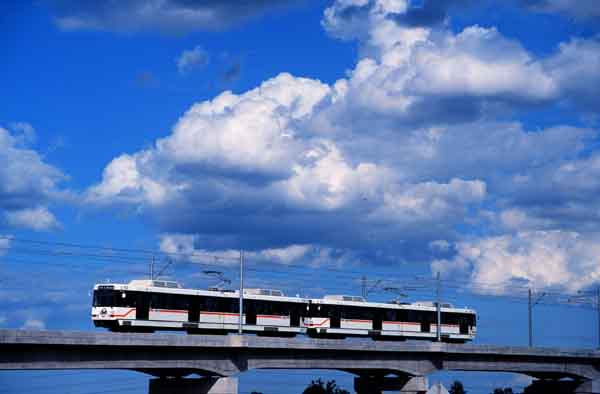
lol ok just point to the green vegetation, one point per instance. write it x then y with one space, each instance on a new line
318 387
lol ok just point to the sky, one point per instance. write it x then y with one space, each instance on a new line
329 140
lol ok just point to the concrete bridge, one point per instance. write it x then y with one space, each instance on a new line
378 365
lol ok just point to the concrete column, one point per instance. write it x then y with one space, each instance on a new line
416 385
404 385
210 385
589 387
552 386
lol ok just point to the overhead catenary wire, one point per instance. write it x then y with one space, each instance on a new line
516 292
149 253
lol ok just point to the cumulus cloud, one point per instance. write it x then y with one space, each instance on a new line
543 259
187 247
191 59
252 156
38 218
417 73
27 183
178 16
402 157
575 68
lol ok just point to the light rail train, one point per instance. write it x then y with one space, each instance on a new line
151 305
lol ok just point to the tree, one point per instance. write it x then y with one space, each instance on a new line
457 388
318 387
506 390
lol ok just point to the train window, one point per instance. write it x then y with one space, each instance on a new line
126 299
104 298
210 304
471 320
357 313
450 318
157 301
402 315
264 308
421 316
280 308
180 302
430 317
413 316
227 305
391 315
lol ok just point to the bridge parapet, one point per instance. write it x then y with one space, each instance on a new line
210 355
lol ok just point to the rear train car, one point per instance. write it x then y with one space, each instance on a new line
151 305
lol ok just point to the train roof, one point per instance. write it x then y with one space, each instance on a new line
274 295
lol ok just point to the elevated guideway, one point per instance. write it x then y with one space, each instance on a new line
378 365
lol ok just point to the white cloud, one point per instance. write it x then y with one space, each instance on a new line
183 247
191 59
186 247
33 324
38 218
424 74
254 154
123 181
252 132
545 259
400 154
478 62
576 69
27 184
286 255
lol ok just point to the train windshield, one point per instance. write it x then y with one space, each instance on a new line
104 297
109 297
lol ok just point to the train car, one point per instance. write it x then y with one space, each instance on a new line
150 305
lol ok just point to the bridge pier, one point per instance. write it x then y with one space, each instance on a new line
589 387
551 386
208 385
404 385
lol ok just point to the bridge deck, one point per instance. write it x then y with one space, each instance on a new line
93 338
175 354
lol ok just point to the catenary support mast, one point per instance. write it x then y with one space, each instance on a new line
240 329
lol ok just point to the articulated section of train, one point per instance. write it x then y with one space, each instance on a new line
150 305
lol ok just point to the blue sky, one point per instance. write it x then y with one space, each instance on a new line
329 139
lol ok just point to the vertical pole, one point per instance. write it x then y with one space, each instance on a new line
439 309
240 330
530 319
364 286
152 268
598 312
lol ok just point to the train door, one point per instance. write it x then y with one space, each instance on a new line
464 325
425 321
194 309
295 314
334 316
377 321
250 311
142 308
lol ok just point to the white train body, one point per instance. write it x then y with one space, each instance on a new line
149 305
